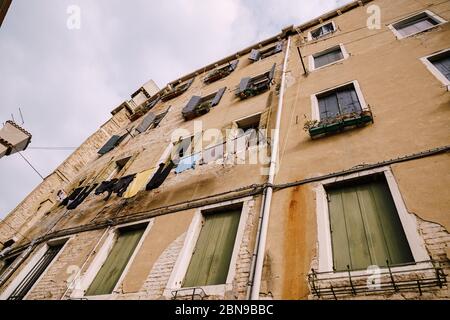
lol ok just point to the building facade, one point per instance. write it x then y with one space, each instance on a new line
312 165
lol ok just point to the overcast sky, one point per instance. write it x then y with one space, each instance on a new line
66 82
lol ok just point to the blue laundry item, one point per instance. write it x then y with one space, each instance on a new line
187 163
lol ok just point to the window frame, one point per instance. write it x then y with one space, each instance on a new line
315 112
311 38
85 279
184 257
30 265
408 221
429 13
435 71
312 63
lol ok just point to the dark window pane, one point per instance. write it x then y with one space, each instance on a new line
328 57
442 63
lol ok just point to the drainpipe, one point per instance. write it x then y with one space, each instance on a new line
260 247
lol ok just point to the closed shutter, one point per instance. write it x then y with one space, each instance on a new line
110 144
328 106
111 270
146 122
38 269
254 55
443 65
212 254
215 101
365 227
348 100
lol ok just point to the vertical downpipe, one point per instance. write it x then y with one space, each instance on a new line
260 247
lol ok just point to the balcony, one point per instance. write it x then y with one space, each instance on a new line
340 123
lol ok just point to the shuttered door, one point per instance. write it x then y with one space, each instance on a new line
365 227
38 269
111 270
212 255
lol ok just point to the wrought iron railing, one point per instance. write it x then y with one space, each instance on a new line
420 277
196 293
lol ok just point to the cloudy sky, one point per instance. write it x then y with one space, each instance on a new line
67 81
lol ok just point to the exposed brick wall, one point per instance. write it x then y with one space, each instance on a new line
437 242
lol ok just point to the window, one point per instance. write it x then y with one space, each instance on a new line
34 270
337 109
327 57
415 24
439 65
249 87
125 243
365 226
173 91
256 54
221 72
198 106
337 102
211 258
322 31
151 120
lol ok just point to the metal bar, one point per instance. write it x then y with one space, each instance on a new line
305 72
392 277
351 282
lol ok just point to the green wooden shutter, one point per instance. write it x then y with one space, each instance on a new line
212 255
365 227
111 270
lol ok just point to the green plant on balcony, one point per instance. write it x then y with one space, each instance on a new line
338 123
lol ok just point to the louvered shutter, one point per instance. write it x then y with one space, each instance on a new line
365 227
212 254
188 111
159 117
254 55
111 270
146 122
110 144
215 101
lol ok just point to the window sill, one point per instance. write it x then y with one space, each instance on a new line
199 292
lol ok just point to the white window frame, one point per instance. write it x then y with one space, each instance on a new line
315 112
310 37
86 279
408 221
435 71
184 258
432 15
30 265
312 64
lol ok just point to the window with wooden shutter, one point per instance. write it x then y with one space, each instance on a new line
198 106
249 87
220 72
118 258
259 54
365 226
211 258
113 142
340 101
